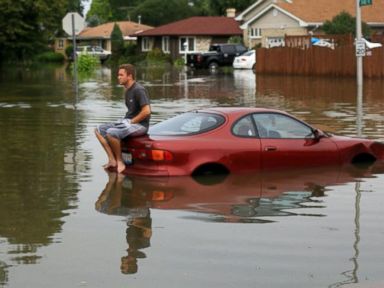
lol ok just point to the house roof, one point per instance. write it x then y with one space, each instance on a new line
318 11
104 31
195 26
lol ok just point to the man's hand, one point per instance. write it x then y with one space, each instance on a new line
144 113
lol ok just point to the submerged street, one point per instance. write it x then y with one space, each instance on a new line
65 222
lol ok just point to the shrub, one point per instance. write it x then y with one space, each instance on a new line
179 62
69 51
87 63
50 57
156 56
235 40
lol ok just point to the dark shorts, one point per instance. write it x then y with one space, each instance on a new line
122 129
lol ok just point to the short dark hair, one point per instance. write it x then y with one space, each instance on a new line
129 69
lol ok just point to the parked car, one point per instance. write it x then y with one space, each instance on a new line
218 55
245 61
93 50
233 140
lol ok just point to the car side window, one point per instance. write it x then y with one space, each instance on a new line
274 125
188 124
228 49
240 49
244 127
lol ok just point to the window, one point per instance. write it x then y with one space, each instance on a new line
244 127
165 44
255 32
146 44
187 44
187 124
274 125
61 44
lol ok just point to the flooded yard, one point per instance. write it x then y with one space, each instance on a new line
65 222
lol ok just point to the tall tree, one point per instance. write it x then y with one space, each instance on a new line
344 23
117 42
122 9
101 10
26 27
218 7
76 6
159 12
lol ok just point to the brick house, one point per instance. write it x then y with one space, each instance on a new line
189 35
101 35
266 22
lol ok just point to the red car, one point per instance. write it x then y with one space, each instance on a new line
233 140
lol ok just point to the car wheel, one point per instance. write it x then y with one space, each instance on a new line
213 66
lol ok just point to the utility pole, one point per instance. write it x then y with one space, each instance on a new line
360 46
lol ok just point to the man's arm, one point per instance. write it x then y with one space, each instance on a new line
144 113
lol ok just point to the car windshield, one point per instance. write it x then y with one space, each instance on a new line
187 124
249 53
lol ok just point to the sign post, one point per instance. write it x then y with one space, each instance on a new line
360 53
359 49
73 24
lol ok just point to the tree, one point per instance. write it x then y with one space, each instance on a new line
76 6
344 23
218 7
159 12
28 26
117 42
101 10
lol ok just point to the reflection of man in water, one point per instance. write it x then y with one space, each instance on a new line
139 233
118 198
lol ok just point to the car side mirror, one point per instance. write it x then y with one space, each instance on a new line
318 134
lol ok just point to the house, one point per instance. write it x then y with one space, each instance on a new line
266 22
101 35
189 35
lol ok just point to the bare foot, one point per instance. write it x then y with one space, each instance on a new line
110 164
120 167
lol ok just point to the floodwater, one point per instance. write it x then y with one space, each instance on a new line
65 222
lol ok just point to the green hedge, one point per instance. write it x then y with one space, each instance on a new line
50 57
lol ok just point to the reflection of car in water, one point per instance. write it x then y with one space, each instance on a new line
234 198
246 198
233 140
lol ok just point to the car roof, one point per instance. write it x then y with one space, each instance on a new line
238 110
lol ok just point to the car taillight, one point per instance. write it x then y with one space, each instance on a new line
161 155
152 154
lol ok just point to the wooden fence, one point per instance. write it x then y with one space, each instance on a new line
320 61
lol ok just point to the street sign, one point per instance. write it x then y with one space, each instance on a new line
365 2
79 23
360 48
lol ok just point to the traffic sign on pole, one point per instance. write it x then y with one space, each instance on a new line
360 48
78 23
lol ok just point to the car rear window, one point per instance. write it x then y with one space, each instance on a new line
187 124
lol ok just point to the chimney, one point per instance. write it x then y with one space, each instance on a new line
231 12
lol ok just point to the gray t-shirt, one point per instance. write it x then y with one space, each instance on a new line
135 98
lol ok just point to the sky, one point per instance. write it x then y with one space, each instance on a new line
87 5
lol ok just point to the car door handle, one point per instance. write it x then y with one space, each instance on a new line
270 148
